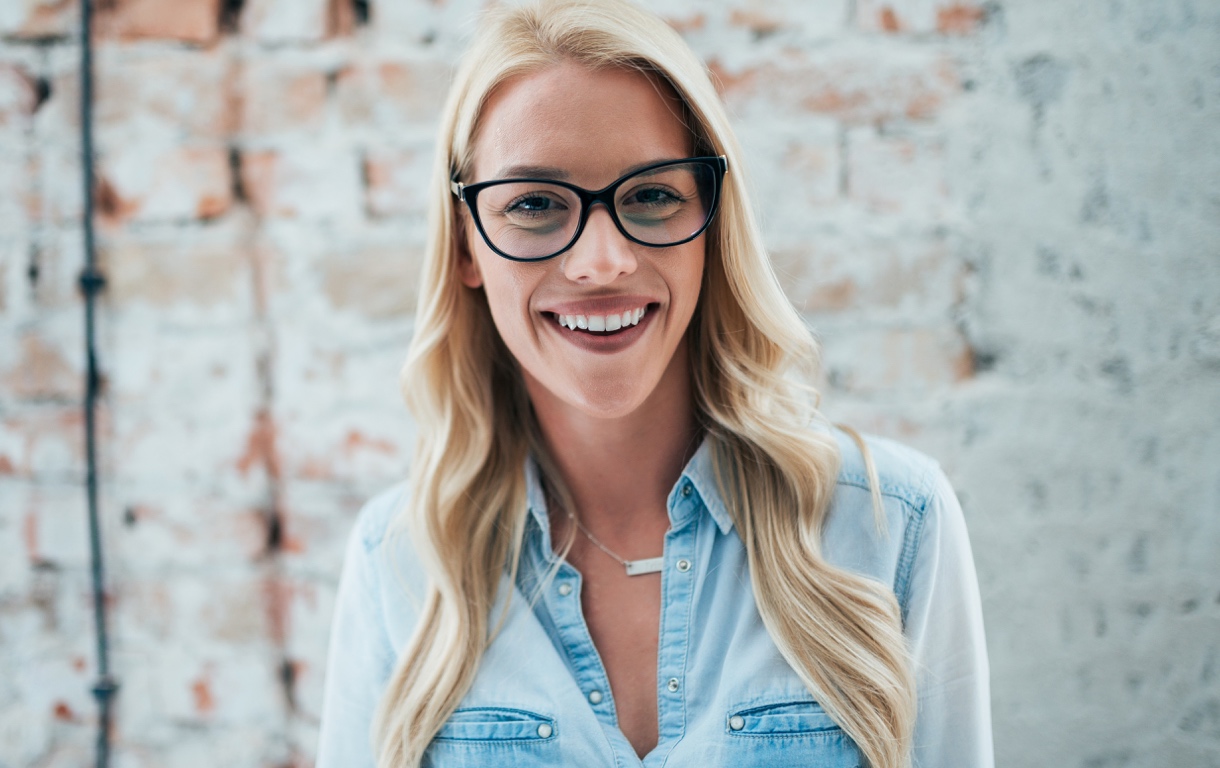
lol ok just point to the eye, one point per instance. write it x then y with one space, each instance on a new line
533 204
651 197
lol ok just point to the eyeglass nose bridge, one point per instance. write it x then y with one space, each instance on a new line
589 199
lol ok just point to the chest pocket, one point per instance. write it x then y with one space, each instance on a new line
488 737
786 733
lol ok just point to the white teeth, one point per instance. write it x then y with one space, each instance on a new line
602 323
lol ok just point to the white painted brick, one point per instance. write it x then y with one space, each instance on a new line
953 17
54 193
398 96
18 98
843 279
282 94
917 359
286 21
897 175
157 94
44 441
150 183
796 166
15 190
36 18
315 181
159 531
397 181
414 22
189 412
857 81
317 517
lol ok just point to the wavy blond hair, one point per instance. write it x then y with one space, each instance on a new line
466 511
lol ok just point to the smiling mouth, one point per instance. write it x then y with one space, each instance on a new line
603 325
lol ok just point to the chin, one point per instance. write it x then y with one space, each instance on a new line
607 400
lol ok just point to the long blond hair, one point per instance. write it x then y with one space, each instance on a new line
466 511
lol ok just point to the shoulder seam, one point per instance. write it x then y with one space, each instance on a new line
914 496
912 540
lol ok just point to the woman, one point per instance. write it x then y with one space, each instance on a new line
629 537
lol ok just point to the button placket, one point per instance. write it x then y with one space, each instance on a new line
676 605
577 644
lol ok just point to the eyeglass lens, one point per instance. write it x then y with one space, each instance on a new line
661 206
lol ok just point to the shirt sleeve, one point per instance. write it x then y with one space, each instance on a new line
944 624
359 660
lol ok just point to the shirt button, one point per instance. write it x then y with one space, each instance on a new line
595 697
686 490
737 722
673 684
684 565
565 589
545 731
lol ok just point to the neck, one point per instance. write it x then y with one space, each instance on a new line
619 471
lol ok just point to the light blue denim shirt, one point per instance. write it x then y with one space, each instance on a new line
725 695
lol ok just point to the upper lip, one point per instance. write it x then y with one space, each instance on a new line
608 305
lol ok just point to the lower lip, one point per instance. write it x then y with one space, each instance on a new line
603 343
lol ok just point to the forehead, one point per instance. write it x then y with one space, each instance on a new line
591 124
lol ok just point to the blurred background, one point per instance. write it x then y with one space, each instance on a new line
1001 218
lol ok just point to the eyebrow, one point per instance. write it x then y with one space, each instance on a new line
532 172
559 174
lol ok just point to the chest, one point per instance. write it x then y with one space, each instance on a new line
623 616
720 692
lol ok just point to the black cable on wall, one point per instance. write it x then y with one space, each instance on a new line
91 282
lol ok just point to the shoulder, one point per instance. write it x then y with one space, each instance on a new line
378 516
915 496
903 473
382 559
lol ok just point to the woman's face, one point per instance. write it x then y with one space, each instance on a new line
587 127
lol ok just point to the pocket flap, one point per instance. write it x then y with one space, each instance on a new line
780 718
497 724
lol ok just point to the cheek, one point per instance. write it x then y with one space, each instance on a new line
687 279
508 294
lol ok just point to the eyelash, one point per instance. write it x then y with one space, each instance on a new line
512 206
669 193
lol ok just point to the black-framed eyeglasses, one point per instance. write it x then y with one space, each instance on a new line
662 205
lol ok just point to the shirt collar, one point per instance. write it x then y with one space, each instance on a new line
698 472
534 496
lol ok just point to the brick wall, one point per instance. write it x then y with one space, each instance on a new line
1002 218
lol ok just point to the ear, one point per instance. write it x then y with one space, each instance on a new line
467 267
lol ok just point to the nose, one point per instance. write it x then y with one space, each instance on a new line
601 255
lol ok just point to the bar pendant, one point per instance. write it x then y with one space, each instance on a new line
641 567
